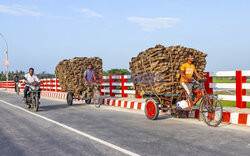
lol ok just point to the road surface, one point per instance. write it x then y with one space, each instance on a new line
85 130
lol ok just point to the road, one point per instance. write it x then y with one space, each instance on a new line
85 130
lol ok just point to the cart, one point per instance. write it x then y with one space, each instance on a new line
92 93
209 107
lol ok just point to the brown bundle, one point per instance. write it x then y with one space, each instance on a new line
71 73
157 70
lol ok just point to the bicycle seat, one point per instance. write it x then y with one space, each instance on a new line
202 80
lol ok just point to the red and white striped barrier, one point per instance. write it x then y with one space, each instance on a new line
124 104
54 95
121 84
236 118
228 117
240 86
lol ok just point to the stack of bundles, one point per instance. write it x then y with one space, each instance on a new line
71 73
157 70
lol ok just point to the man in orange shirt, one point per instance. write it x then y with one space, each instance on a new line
187 80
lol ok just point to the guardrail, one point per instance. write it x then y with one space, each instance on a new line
122 81
50 84
122 85
239 86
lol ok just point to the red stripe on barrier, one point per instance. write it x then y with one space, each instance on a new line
125 103
119 103
103 101
196 115
226 117
242 119
113 103
132 105
139 105
108 101
211 116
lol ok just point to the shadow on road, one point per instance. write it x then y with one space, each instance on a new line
58 106
164 116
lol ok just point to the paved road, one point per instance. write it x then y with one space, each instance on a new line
85 130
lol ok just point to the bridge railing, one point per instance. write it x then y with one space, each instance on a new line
122 85
118 85
240 86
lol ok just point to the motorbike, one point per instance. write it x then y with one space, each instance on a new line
33 98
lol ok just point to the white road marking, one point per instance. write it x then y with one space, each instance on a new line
76 131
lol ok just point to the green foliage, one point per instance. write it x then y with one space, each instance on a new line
116 72
21 74
49 75
45 75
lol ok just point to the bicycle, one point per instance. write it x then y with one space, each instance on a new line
91 93
210 108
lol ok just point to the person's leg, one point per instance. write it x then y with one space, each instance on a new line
26 91
196 86
39 93
15 87
189 89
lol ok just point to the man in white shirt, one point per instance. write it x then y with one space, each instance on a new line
30 77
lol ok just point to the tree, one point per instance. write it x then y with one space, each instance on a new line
21 74
117 72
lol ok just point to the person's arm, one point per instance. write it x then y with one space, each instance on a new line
25 79
197 74
94 76
84 76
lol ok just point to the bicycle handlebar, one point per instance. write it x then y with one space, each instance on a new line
202 80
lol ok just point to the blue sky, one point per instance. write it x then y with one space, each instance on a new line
40 33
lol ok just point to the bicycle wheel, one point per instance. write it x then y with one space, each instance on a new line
97 99
211 110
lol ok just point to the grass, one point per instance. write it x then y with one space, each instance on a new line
225 80
225 103
228 92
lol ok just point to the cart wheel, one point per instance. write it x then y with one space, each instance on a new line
151 109
88 101
70 98
211 110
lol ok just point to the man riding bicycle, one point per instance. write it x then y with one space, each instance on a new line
89 74
187 80
16 80
29 78
89 77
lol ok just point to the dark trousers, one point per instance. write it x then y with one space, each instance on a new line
15 87
26 89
